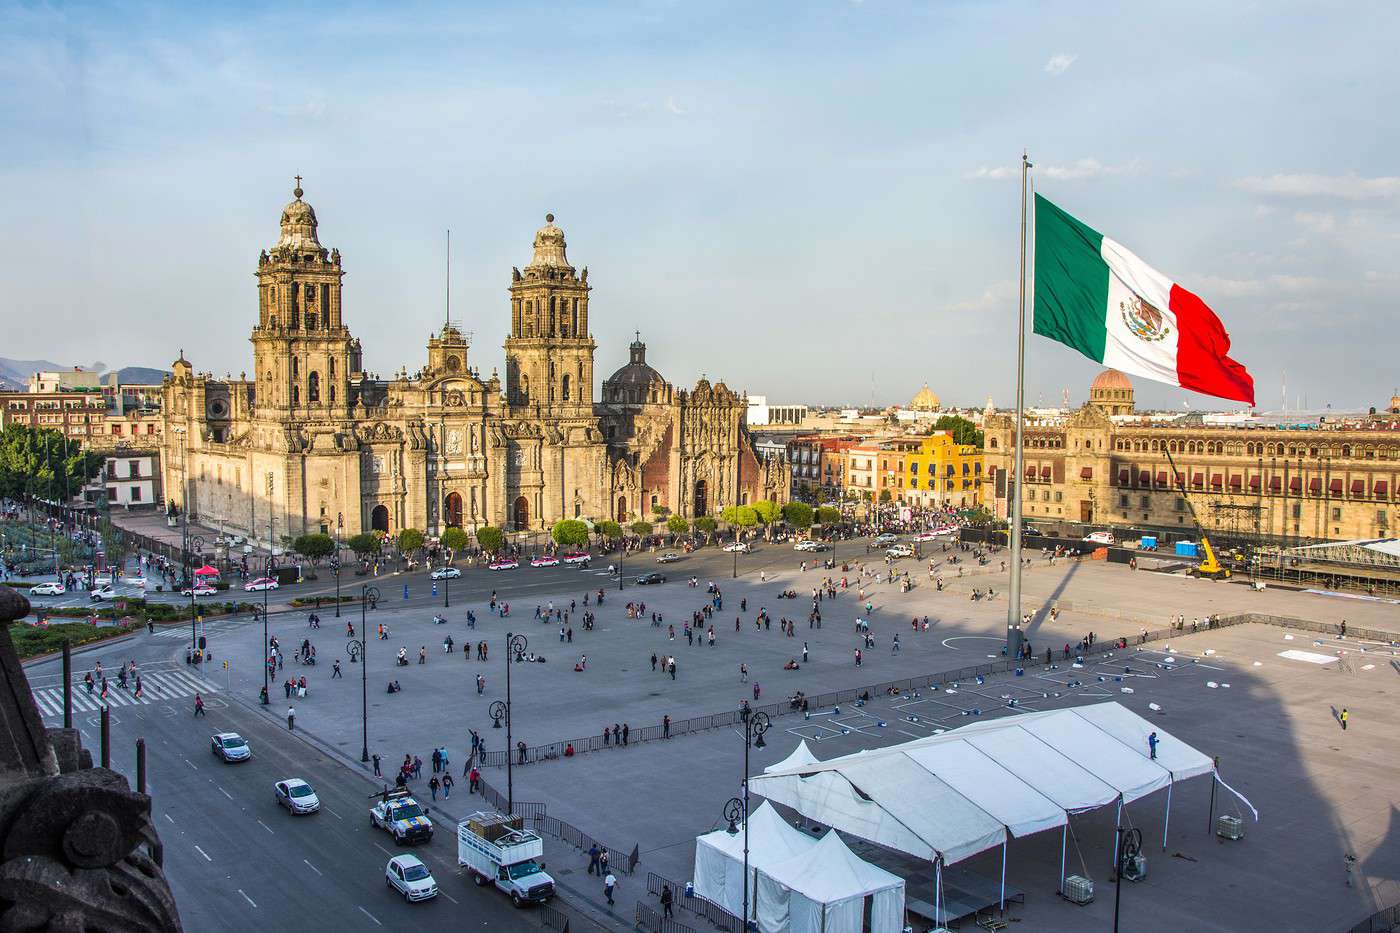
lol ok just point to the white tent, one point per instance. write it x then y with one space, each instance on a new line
948 797
719 857
824 889
801 755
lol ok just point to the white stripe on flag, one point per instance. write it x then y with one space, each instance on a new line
1153 355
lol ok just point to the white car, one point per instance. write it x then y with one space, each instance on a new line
886 538
545 561
805 544
578 557
444 573
296 795
739 546
1099 537
105 592
47 589
101 581
503 565
900 550
229 746
410 877
260 584
199 589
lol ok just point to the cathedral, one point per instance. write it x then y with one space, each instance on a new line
310 442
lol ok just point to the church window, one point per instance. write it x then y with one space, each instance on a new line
295 299
294 367
575 317
566 387
551 314
313 387
296 396
311 320
326 301
310 294
525 389
332 387
331 364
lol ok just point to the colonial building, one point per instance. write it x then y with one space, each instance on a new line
311 442
1096 466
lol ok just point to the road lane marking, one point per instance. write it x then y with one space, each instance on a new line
191 764
203 853
448 896
312 867
332 812
247 898
168 817
371 916
384 850
265 826
224 792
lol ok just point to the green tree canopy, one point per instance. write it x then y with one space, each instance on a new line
490 538
455 539
828 515
43 464
570 532
364 544
767 511
410 540
314 546
641 528
706 524
799 515
660 510
677 525
609 529
745 516
963 431
885 496
729 515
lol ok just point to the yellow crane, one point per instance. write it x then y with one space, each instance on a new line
1209 567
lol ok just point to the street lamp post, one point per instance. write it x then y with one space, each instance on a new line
515 646
446 581
269 567
358 651
335 571
198 543
621 550
755 724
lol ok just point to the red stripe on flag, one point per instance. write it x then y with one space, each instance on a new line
1203 363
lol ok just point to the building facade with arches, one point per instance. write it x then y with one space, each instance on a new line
310 442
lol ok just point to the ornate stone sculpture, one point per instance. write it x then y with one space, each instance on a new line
80 852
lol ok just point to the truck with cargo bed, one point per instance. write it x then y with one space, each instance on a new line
498 850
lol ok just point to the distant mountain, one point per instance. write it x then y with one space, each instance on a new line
14 374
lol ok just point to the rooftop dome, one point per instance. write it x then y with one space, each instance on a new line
926 400
298 224
633 382
549 247
1110 379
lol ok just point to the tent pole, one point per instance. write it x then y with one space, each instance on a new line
1210 825
1167 822
938 890
1003 876
1117 827
1064 838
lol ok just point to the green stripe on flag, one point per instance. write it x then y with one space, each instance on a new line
1071 281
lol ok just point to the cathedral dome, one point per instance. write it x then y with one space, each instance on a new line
298 224
1110 379
637 381
926 400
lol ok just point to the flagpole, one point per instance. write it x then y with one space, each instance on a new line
1013 604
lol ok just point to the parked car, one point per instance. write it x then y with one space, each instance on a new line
670 557
900 550
506 564
199 589
648 578
410 877
296 795
445 573
741 546
886 538
230 746
105 592
260 584
47 589
578 557
545 560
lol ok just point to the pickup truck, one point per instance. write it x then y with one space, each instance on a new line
398 814
496 850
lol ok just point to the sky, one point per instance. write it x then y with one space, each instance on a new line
814 201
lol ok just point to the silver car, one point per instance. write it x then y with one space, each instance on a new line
296 795
410 877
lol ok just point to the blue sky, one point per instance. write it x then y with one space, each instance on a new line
813 201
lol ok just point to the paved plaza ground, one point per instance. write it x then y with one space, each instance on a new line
1320 792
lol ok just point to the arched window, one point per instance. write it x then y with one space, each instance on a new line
575 317
296 396
294 367
565 388
331 367
313 387
551 314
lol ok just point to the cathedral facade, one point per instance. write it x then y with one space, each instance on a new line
310 442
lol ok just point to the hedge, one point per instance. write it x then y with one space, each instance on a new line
31 640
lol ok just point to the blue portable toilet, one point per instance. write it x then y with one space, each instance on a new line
1187 549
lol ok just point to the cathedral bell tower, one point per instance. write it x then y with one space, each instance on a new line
549 353
303 354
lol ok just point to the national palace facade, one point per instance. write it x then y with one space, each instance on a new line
310 442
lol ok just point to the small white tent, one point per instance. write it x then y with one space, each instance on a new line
824 889
719 857
801 755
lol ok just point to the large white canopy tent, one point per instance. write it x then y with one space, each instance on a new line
719 856
948 797
823 890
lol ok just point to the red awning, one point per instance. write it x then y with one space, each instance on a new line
1086 472
1295 484
1275 483
1123 477
1381 487
1254 482
1045 472
1236 482
206 571
1216 480
1358 487
1161 477
1198 479
1144 478
1336 487
1315 486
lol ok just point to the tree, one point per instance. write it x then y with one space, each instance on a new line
660 510
799 515
677 525
828 515
455 539
641 528
610 530
410 540
313 546
729 515
745 516
885 496
42 463
963 431
490 538
767 511
706 525
569 532
364 544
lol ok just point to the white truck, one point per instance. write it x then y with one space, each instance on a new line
500 851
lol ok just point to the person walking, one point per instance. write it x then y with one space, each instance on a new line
291 718
199 705
609 884
447 784
593 864
743 673
473 781
804 652
417 767
433 785
603 863
666 726
436 759
666 902
335 669
1343 717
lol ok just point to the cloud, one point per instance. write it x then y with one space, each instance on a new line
674 107
1059 63
995 297
1267 286
1350 187
1316 221
1075 171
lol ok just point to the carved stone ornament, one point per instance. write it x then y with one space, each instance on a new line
79 851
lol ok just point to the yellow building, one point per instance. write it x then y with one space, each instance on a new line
943 473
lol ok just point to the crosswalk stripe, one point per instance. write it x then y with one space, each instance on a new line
45 704
155 687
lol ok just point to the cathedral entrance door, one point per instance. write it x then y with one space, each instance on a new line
522 514
622 508
452 510
700 496
379 519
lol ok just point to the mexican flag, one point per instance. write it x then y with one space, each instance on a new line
1095 295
